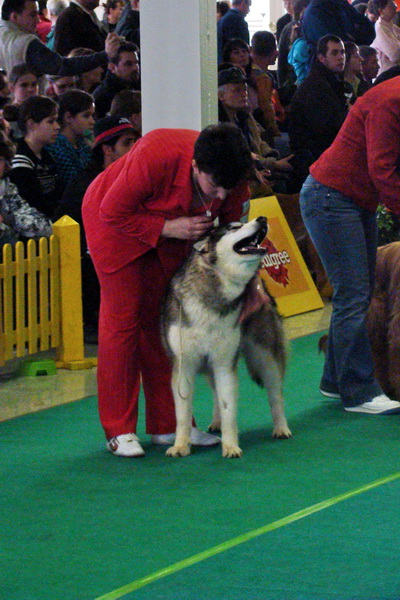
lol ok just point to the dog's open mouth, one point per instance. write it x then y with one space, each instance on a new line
251 244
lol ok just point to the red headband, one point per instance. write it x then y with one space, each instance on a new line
110 133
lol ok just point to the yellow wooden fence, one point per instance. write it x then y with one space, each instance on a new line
41 299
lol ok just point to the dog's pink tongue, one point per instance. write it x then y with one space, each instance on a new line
256 297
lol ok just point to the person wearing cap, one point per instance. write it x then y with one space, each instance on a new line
114 136
234 107
141 218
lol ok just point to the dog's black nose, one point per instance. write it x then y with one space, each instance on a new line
262 220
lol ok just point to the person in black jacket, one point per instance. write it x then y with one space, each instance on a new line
122 74
319 106
33 168
78 27
285 19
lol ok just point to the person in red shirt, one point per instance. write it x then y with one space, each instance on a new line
338 203
141 217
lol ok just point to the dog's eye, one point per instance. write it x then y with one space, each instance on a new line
233 226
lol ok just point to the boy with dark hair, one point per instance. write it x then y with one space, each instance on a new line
128 104
319 106
141 217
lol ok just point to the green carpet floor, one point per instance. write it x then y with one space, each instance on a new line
80 524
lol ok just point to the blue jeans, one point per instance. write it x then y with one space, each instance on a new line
345 237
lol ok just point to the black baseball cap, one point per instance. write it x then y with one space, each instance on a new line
110 127
232 75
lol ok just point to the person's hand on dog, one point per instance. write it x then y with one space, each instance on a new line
187 228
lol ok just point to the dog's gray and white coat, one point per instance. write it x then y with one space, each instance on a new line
202 332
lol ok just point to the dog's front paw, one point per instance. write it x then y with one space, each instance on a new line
231 451
183 450
282 433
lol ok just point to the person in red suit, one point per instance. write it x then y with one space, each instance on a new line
141 217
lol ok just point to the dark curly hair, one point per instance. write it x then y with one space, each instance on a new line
222 152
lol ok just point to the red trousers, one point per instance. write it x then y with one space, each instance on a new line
130 348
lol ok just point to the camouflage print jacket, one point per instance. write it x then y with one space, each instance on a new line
19 219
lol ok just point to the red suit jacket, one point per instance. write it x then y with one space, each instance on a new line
125 207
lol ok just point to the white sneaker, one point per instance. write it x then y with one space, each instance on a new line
380 405
197 438
126 444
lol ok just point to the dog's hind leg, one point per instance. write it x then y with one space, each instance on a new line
182 387
226 389
265 369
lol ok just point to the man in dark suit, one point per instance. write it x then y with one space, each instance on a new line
233 25
78 27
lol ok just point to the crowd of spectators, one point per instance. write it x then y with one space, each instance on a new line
70 107
63 70
67 74
328 53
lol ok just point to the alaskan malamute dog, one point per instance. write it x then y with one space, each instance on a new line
205 327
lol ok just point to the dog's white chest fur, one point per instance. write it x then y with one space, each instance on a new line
209 335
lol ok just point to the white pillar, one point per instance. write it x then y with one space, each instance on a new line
178 49
276 10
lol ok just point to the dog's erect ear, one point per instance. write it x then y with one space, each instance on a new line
201 246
